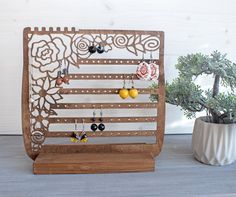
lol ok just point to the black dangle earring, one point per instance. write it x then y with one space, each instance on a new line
94 127
101 126
100 49
92 49
74 136
82 136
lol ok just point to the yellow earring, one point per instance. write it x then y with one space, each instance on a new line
133 92
74 137
82 136
124 93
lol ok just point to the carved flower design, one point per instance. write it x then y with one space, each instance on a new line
47 53
80 45
39 120
105 41
45 93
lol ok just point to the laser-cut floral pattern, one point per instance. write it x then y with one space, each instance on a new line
49 51
45 93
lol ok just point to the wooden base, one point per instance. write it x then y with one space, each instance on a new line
81 163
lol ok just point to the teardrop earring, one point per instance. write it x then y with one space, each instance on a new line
65 78
65 72
124 93
154 69
133 92
101 126
143 71
74 137
94 126
83 136
59 80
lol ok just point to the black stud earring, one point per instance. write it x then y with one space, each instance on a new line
94 127
101 126
92 49
100 49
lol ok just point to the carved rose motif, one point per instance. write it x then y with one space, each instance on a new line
80 45
47 54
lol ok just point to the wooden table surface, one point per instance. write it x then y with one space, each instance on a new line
177 174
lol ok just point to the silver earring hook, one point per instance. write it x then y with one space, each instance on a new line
76 126
124 81
94 113
101 111
143 57
150 58
82 125
132 80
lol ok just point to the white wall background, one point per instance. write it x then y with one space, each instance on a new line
189 25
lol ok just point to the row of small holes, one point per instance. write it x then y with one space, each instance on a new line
105 77
111 119
109 61
101 91
136 105
94 134
95 91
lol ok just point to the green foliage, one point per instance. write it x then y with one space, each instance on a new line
191 98
225 103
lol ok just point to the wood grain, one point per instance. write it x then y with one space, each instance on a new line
99 148
142 105
102 91
48 163
105 133
107 152
59 120
112 61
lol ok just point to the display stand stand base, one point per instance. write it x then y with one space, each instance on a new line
82 163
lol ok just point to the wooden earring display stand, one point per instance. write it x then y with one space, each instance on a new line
44 52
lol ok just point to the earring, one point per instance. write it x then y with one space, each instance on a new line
92 49
101 126
59 80
124 93
154 69
83 136
65 78
143 70
94 127
100 49
74 138
133 92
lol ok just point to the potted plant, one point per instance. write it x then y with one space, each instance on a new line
214 135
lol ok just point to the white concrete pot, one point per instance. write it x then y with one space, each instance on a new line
214 144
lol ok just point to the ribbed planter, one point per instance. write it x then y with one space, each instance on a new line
214 144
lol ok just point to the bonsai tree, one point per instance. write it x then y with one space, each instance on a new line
184 92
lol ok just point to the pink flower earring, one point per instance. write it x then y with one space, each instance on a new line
154 69
143 71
